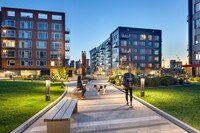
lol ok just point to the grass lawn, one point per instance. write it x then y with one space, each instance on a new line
183 102
20 100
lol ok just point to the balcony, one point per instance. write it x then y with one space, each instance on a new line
8 33
8 25
108 49
67 57
67 48
67 31
67 39
115 45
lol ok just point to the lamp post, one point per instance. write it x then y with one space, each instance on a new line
142 84
61 82
47 90
58 61
121 62
53 78
32 77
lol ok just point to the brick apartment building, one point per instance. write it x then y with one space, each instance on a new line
136 47
32 41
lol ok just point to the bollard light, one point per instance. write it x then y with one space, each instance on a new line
47 90
32 77
61 82
142 84
53 79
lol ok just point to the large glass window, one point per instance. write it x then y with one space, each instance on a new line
135 57
142 43
197 39
142 64
8 43
25 44
11 13
42 16
156 44
42 26
25 34
9 53
197 23
142 57
142 51
8 33
24 54
142 37
41 45
149 58
56 36
56 17
53 63
26 24
55 54
10 62
41 54
197 55
156 59
26 63
149 51
156 52
56 26
123 43
10 23
150 37
197 7
42 35
135 43
41 63
56 45
150 44
156 38
26 14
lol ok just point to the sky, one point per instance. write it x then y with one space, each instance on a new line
92 21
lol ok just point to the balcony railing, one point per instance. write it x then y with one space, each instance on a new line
67 57
67 48
67 31
67 39
9 25
3 34
115 45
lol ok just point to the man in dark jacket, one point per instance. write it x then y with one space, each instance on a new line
129 79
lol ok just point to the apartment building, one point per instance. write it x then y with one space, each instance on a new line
135 47
194 36
32 41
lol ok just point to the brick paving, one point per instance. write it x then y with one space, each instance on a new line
110 114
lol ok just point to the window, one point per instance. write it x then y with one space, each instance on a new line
41 63
26 14
42 26
197 7
124 58
156 52
142 37
197 39
26 25
9 53
11 13
142 51
8 33
42 35
10 62
149 58
55 54
56 36
142 43
56 45
41 45
156 44
135 57
42 16
156 59
56 27
142 58
56 17
53 63
197 55
26 63
8 43
142 64
149 51
149 64
135 36
25 44
157 65
150 37
197 23
150 44
41 54
24 54
135 43
25 34
123 43
156 38
10 23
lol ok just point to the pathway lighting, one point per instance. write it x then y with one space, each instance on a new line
142 84
47 90
62 83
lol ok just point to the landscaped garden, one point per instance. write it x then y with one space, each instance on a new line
20 100
183 102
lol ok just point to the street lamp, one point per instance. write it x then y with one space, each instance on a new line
59 60
53 78
61 82
47 90
121 62
142 84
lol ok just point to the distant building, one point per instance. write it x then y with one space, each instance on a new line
72 64
32 41
78 64
172 63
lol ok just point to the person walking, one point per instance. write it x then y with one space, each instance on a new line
80 86
129 80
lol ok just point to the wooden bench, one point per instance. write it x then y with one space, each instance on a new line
76 94
58 118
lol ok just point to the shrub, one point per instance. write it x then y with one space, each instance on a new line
180 81
152 82
167 80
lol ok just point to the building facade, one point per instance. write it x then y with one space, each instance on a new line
194 36
134 47
32 41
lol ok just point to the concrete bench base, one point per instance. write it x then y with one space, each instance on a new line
76 94
58 127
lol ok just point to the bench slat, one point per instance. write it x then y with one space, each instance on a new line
55 110
70 109
62 111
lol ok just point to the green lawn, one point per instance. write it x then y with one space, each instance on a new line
183 102
20 100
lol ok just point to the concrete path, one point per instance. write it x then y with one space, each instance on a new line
110 114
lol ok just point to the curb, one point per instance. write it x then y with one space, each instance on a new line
34 118
169 117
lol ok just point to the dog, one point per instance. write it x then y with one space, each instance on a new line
99 88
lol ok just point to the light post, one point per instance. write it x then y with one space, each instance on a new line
121 62
61 82
53 78
32 77
47 90
58 61
142 84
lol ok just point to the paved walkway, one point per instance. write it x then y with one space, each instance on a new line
109 114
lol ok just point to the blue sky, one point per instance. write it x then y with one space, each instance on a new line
91 21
